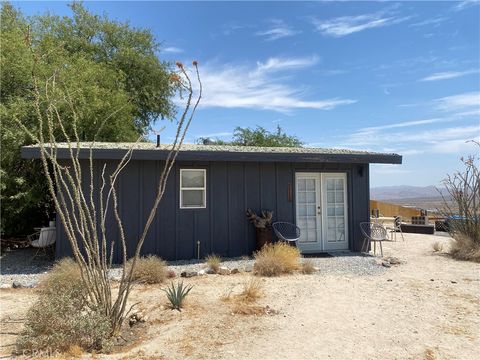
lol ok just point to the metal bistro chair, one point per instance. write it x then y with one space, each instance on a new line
43 240
287 232
397 227
373 232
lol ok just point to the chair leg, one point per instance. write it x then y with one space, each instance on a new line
374 248
363 245
401 233
381 249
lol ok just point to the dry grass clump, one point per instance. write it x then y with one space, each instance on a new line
213 262
437 246
307 267
60 319
276 259
150 270
252 291
464 248
247 309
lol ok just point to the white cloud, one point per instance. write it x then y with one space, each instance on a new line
216 135
172 50
346 25
387 169
456 146
433 21
404 124
258 87
449 75
460 5
276 64
278 30
465 101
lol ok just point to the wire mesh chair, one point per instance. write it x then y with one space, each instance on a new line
286 231
397 227
43 240
373 232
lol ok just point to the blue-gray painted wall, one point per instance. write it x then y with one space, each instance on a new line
222 228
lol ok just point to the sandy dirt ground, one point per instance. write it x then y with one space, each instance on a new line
425 308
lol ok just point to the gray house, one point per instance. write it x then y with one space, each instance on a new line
324 191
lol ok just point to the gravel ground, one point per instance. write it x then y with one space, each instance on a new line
18 266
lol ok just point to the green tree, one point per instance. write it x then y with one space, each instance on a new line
108 69
256 137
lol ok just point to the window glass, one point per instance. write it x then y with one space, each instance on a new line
192 188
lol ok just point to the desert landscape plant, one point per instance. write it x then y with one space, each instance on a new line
307 266
252 291
461 206
213 262
437 246
276 259
149 270
61 318
177 294
83 207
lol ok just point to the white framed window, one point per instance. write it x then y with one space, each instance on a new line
193 188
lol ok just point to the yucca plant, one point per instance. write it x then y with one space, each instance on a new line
176 294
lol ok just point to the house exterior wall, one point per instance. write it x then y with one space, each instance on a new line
222 227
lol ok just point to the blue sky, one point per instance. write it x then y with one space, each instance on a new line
384 76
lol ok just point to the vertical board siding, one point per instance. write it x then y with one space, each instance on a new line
268 200
222 227
218 207
236 209
252 200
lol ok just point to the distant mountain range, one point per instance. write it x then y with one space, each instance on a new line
404 192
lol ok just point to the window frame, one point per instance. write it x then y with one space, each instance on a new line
204 189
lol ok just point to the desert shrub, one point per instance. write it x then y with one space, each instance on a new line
177 294
213 262
150 270
437 246
464 248
307 267
461 206
276 259
252 290
60 319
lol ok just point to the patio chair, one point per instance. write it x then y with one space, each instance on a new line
373 232
397 226
287 232
43 240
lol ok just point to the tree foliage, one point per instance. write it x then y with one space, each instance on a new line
258 136
108 69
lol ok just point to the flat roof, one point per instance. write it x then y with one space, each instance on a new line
193 152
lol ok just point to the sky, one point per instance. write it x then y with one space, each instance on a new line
385 76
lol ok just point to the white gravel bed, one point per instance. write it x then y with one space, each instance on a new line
341 263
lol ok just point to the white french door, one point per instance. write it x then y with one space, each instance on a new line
321 211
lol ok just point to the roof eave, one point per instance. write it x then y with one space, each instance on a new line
193 155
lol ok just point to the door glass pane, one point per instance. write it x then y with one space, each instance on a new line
302 197
339 184
307 209
302 210
310 184
310 197
302 185
311 222
193 178
339 197
330 184
335 212
330 197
